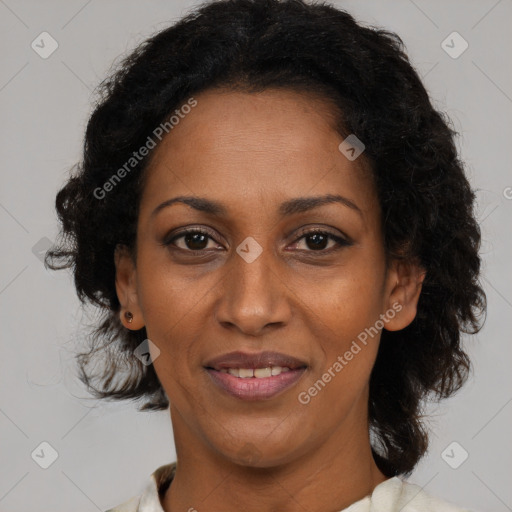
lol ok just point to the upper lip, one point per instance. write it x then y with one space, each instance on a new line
251 361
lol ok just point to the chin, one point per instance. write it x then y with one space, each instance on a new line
260 454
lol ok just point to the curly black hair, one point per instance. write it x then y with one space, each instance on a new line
426 201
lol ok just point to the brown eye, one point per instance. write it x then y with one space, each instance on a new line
317 240
194 240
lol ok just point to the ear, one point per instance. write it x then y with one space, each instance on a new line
126 287
404 283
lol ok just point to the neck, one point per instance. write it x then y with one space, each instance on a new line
334 475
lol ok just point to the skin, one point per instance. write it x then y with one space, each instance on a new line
251 152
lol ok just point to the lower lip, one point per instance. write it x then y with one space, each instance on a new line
253 388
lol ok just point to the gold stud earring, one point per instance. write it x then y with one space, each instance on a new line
129 316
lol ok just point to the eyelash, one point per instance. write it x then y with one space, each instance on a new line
342 242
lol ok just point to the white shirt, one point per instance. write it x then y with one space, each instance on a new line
392 495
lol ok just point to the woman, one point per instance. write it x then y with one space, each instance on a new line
278 230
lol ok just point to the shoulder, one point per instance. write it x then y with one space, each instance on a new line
131 505
149 499
412 498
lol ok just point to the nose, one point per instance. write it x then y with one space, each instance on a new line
254 296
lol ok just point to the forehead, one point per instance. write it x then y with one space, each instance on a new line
255 147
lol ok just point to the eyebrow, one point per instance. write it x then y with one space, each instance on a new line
289 207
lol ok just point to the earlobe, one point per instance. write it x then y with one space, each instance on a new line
126 289
404 293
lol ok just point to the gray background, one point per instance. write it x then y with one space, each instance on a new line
107 451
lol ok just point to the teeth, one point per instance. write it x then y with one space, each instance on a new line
263 372
258 373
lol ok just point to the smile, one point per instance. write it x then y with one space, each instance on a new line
255 384
258 373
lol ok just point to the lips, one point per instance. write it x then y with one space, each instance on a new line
252 389
252 361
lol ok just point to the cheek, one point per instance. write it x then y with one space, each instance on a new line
347 300
171 308
166 297
343 311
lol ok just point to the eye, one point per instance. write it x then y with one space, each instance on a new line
195 240
317 239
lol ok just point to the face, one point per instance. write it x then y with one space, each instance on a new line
263 272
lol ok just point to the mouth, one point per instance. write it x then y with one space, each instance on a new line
252 387
255 376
